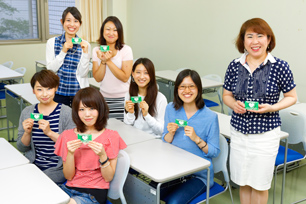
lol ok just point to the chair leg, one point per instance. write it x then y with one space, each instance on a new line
230 191
275 174
221 103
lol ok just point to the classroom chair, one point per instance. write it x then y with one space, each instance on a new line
8 64
116 185
293 122
219 164
210 103
21 70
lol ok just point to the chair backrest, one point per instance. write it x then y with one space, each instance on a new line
219 162
214 77
116 185
293 122
8 64
21 70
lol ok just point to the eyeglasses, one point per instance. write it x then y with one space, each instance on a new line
184 87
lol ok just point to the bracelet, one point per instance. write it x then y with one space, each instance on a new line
200 140
103 63
102 167
102 163
204 146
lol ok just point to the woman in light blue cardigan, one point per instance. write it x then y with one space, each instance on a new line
200 136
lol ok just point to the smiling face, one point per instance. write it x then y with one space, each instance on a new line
141 76
43 94
71 25
110 33
256 44
88 115
187 90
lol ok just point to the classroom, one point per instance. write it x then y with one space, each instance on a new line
198 35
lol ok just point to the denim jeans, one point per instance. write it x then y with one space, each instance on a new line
183 193
80 198
67 100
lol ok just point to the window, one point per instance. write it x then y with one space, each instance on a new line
31 20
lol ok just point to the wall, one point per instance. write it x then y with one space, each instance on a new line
200 34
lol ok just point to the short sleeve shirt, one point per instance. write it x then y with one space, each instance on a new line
87 166
263 85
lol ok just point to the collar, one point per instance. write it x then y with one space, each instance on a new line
62 38
242 60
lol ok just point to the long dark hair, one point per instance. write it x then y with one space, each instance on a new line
120 40
90 97
177 101
152 89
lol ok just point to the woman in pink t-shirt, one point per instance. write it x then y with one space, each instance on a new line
113 67
89 151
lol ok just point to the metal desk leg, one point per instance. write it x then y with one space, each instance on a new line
207 187
285 169
158 193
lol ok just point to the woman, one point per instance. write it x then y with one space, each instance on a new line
200 136
113 68
256 76
37 137
70 61
89 167
149 114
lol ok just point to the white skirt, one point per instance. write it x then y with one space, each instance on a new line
252 158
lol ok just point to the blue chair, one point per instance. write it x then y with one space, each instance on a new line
210 103
116 185
293 122
219 164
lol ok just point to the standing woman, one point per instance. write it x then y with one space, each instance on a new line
149 114
113 68
200 136
256 76
70 61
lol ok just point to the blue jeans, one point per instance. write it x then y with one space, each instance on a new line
67 100
80 198
182 193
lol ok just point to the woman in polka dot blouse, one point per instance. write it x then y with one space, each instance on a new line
256 76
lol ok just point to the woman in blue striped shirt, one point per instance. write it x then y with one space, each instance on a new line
69 60
40 125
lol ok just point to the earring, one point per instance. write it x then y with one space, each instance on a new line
132 79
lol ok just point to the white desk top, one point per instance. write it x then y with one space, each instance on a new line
10 156
163 162
24 91
94 83
171 76
7 73
128 133
42 62
225 124
29 185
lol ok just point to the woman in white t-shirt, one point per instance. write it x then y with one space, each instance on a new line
113 67
148 115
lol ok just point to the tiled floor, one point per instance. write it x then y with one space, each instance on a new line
294 190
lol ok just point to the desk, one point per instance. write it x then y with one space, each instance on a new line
27 184
94 83
40 65
7 73
128 133
169 77
161 162
224 124
10 156
14 106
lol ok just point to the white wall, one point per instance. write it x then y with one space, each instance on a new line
200 34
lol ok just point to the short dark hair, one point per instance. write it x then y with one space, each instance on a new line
258 25
152 89
90 97
120 40
46 78
74 11
177 101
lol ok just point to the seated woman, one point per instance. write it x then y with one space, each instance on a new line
36 137
148 115
198 133
89 151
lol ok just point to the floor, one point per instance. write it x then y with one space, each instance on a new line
294 190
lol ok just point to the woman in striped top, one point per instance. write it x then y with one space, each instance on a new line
37 135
